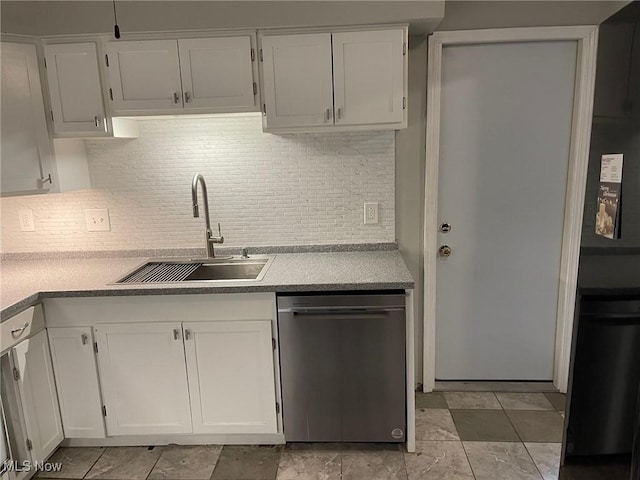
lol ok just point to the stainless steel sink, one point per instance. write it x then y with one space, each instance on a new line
198 270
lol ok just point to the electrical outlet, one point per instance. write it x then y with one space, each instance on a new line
26 220
371 212
98 220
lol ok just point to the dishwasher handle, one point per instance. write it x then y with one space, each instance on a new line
340 311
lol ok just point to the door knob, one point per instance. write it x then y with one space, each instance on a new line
445 227
444 250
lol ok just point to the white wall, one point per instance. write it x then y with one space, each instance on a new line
264 189
410 171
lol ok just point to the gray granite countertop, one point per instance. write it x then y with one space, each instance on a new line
24 282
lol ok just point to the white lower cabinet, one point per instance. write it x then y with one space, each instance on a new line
74 364
231 376
144 378
37 388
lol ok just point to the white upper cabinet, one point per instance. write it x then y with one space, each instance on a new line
38 393
352 79
74 87
217 73
176 76
144 378
368 77
297 80
144 75
74 364
26 150
231 376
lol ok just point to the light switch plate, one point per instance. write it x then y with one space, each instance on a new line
371 212
98 220
25 215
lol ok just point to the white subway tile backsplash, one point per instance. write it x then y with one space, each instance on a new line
264 189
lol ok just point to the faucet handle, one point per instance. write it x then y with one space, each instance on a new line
217 238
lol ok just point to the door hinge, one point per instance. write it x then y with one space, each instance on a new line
95 347
104 410
255 88
45 62
404 48
404 103
261 56
253 55
264 108
273 343
29 445
277 407
52 116
106 59
16 374
111 94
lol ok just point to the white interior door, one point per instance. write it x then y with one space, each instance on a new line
74 86
231 377
505 132
144 75
144 378
297 80
38 394
368 76
217 73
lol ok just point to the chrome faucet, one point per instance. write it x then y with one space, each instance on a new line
209 238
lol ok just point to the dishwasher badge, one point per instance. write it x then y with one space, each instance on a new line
397 433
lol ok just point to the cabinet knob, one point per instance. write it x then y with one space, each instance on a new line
84 338
339 113
187 97
176 334
187 334
96 120
176 97
328 116
444 251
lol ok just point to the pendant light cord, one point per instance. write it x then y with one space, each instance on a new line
116 28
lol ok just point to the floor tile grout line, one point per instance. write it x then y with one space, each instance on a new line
154 463
104 449
466 455
534 462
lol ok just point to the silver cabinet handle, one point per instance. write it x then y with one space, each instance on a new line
176 97
84 338
339 113
187 97
16 332
46 179
328 114
176 334
187 334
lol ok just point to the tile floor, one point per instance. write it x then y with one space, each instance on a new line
460 436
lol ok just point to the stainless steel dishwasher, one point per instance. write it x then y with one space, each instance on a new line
342 361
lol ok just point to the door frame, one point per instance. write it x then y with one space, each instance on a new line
587 38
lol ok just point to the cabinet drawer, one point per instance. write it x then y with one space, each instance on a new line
21 326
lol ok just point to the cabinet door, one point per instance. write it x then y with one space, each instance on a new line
297 80
25 146
231 377
144 75
38 392
74 86
217 73
144 379
368 77
74 364
634 74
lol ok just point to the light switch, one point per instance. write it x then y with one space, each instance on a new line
98 220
